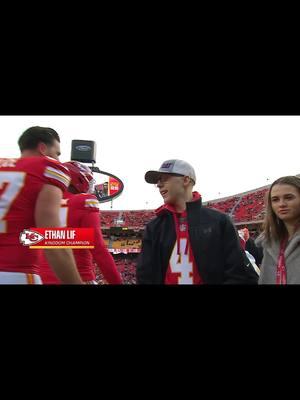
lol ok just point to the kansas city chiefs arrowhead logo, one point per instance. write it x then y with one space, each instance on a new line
28 237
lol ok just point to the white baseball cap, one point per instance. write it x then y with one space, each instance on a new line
171 167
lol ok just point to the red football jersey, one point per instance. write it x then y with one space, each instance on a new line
182 268
21 180
82 211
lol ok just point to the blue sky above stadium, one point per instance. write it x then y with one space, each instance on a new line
231 154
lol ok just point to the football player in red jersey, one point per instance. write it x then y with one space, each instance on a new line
80 209
31 190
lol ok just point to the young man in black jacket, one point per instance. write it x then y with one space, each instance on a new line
187 243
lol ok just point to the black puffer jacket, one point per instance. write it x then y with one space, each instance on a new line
215 244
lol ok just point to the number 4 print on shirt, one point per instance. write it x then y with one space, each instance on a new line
184 267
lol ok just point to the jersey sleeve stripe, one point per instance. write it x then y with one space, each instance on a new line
58 175
92 203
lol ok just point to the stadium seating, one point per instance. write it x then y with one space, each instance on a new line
245 207
251 207
248 207
225 206
126 265
128 219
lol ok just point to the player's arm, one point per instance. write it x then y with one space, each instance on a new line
100 254
47 215
144 268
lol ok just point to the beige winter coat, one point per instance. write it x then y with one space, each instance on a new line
292 261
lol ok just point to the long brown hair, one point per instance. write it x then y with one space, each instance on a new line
274 228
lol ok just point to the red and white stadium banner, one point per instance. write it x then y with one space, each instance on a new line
114 186
54 238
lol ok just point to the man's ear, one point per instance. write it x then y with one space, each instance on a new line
42 148
186 181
